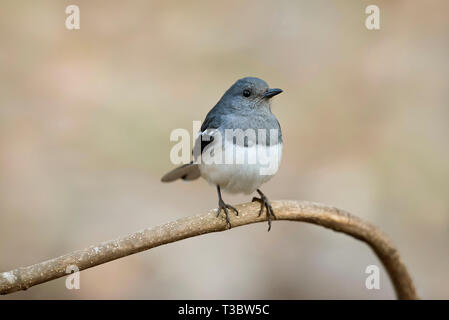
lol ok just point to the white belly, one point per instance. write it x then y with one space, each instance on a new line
244 169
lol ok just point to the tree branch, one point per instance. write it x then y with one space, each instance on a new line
326 216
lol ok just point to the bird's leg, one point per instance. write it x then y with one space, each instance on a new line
264 202
225 207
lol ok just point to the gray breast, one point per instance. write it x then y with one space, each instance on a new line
257 127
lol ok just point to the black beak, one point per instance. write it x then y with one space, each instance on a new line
271 93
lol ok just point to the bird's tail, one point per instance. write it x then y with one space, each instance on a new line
186 172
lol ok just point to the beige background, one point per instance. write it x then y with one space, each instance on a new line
85 118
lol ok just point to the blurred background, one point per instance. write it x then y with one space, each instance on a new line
86 116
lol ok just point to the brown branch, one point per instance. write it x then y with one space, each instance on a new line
329 217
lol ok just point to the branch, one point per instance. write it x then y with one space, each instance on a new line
326 216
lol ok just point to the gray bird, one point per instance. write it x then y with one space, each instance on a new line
239 146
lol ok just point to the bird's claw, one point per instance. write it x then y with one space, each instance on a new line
265 203
225 207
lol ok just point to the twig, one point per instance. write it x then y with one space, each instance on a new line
326 216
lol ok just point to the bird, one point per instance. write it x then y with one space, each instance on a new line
239 146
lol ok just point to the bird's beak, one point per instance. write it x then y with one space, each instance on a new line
271 93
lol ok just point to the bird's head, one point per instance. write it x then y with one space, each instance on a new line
249 93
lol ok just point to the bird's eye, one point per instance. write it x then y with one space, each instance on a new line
246 93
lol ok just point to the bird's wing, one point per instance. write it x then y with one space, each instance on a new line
204 139
209 129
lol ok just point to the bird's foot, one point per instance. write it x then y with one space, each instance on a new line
265 203
225 207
